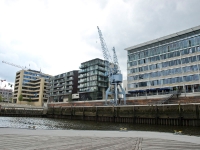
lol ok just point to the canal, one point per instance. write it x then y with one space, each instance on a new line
65 124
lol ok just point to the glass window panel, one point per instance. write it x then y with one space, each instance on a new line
145 68
195 68
183 60
185 44
198 49
195 77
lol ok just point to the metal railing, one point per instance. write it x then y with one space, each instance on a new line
166 100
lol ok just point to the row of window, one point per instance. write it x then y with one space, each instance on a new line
30 77
163 56
165 64
165 81
166 48
173 71
35 74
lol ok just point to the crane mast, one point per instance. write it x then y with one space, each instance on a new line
113 72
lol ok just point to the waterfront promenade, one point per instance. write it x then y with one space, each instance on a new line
91 139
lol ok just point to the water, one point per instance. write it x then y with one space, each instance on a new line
64 124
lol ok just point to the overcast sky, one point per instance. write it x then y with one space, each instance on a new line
56 36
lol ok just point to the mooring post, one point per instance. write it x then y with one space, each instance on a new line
53 110
83 117
134 118
113 110
157 117
61 111
197 115
96 113
71 113
180 115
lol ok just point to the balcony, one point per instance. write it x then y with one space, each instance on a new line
82 76
61 81
101 64
69 78
103 80
70 73
83 71
69 83
83 66
101 68
87 90
82 86
82 81
101 74
102 85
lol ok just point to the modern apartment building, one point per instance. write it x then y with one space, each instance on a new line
62 86
92 80
33 87
165 64
6 94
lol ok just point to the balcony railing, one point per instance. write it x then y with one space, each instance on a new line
82 76
102 85
101 68
82 66
82 81
102 74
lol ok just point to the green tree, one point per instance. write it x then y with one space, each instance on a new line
29 100
20 98
10 99
70 98
1 99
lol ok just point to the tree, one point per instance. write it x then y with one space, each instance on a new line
70 98
10 99
1 99
20 98
29 100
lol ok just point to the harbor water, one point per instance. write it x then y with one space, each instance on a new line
66 124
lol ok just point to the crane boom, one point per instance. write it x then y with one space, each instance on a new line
14 65
115 61
106 53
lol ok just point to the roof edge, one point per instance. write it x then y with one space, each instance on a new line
164 38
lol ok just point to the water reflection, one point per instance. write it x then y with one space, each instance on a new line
64 124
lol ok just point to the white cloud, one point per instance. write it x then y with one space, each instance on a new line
57 36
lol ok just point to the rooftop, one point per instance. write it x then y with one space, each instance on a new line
164 38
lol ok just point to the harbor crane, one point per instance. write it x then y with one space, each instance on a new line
18 66
113 72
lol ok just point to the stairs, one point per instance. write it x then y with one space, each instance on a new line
167 100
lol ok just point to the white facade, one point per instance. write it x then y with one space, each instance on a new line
165 64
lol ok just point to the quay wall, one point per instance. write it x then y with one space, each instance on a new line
176 114
165 114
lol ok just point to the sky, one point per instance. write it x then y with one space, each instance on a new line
56 36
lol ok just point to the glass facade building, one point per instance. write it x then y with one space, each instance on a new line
92 80
165 64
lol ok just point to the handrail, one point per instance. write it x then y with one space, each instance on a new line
166 100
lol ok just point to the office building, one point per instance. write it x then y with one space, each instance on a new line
169 63
33 87
92 80
6 94
63 86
